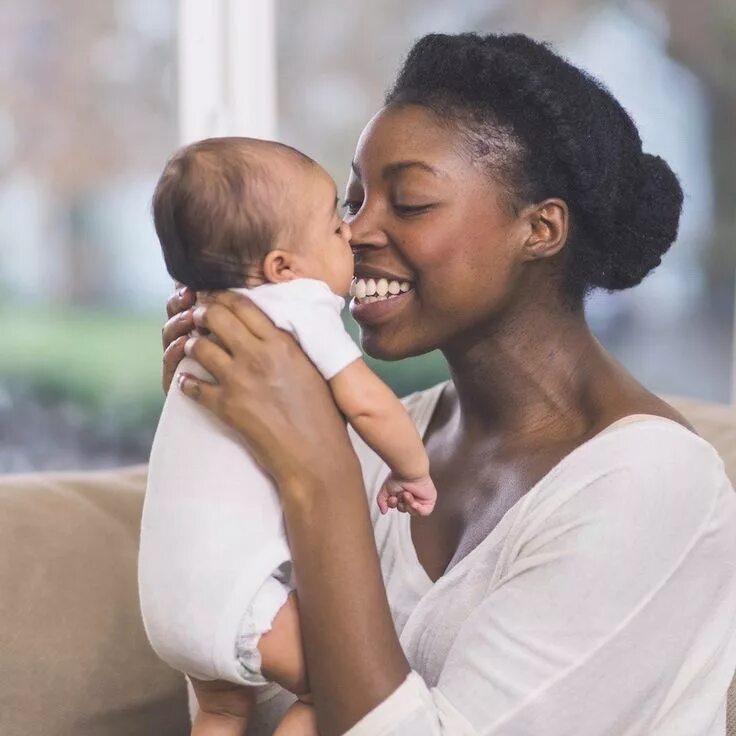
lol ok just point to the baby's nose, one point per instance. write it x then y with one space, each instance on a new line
346 231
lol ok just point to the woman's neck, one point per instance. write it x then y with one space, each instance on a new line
535 372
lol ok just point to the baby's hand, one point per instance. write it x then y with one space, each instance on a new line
416 497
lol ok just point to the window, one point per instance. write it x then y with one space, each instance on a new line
87 118
96 96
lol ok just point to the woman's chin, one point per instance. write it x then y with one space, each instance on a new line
381 346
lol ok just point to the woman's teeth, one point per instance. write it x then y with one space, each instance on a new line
366 291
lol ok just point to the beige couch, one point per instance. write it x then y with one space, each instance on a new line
74 660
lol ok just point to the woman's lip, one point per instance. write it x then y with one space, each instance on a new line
369 272
380 311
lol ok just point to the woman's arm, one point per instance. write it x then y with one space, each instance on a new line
273 396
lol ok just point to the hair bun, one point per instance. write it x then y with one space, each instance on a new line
646 228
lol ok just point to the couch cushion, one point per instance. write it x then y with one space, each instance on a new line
716 424
75 659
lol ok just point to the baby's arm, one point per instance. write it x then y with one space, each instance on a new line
381 420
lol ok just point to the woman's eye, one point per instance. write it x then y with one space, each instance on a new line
351 206
411 209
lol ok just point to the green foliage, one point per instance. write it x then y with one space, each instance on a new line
105 360
406 376
94 357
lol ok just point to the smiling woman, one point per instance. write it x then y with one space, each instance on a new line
674 332
576 510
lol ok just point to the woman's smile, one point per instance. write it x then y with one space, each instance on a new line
375 309
377 294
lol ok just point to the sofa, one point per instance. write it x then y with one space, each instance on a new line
74 660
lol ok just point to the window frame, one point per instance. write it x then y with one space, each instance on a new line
220 43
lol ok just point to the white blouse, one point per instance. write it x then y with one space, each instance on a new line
603 603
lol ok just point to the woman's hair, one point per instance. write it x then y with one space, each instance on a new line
547 129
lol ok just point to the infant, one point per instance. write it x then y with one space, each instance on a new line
215 577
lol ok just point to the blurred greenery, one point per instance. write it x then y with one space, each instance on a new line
103 359
411 374
92 356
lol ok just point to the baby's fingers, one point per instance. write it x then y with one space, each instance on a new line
406 502
381 501
411 505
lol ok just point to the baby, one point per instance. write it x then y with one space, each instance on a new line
215 578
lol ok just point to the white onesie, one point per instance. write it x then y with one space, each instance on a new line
214 564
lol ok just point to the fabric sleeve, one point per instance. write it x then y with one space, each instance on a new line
323 337
600 602
308 310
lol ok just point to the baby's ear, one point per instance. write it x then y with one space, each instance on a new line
279 265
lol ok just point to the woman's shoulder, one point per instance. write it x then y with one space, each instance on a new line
645 463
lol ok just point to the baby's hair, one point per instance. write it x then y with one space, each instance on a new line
215 209
545 128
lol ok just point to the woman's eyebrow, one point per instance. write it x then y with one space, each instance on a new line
397 166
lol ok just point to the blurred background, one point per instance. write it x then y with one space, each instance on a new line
95 96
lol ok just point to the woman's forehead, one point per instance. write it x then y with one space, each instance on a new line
406 133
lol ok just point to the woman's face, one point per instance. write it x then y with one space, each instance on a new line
421 212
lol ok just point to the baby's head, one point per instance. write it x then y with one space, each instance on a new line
232 212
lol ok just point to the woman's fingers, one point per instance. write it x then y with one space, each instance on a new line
173 355
183 298
202 392
180 324
173 335
226 326
244 309
211 357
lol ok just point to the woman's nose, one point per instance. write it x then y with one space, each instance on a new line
366 233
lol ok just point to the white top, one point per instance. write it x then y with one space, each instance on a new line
604 602
310 311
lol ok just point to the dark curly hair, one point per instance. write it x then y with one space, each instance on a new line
547 129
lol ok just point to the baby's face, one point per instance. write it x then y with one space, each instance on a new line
320 237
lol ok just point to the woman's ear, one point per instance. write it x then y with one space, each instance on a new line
549 224
278 266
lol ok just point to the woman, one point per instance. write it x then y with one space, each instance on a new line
576 576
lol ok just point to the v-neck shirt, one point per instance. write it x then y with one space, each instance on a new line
603 602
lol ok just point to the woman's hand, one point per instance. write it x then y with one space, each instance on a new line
269 392
175 331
